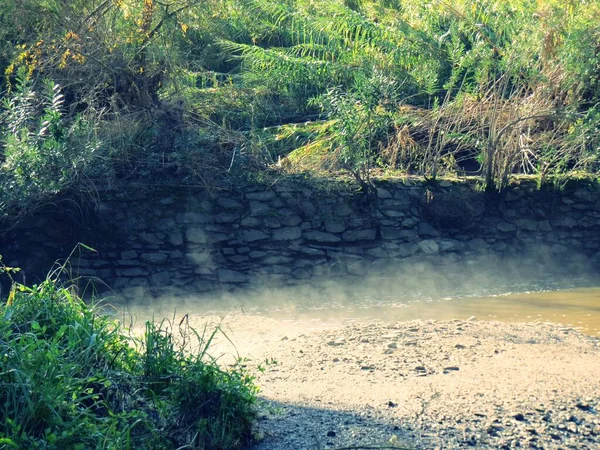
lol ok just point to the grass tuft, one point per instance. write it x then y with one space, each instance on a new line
73 378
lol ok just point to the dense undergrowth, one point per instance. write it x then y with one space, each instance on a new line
102 92
72 378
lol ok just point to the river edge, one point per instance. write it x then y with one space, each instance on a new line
421 384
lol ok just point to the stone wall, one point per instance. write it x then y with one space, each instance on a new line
190 241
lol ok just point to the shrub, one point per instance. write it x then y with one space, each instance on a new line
71 377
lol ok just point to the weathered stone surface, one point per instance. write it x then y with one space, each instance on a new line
360 267
175 238
427 230
301 274
377 252
403 196
558 248
429 246
257 254
320 236
405 250
160 278
120 282
450 245
250 222
231 276
567 222
196 236
237 259
133 272
276 259
585 195
259 208
359 235
383 193
410 222
165 225
155 258
277 269
262 196
167 201
253 235
291 220
177 254
478 244
311 251
382 266
287 234
506 227
204 285
271 222
343 209
295 231
393 213
192 218
227 217
398 233
308 208
213 238
335 226
129 254
228 203
527 224
150 238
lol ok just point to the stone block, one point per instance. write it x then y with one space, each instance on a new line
129 254
227 217
231 276
196 236
527 224
368 234
429 246
250 222
259 209
228 203
335 226
287 234
262 196
427 230
160 278
506 227
291 220
253 236
155 258
343 209
175 238
276 259
192 217
321 236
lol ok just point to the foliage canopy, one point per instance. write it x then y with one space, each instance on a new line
199 90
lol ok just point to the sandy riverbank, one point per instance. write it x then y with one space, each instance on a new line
421 384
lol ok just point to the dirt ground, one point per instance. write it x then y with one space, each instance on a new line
419 384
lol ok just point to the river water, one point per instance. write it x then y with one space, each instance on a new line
569 301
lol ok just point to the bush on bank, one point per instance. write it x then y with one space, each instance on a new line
73 378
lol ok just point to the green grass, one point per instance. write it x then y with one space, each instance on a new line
72 378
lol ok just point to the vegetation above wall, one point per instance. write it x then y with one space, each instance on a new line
100 92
